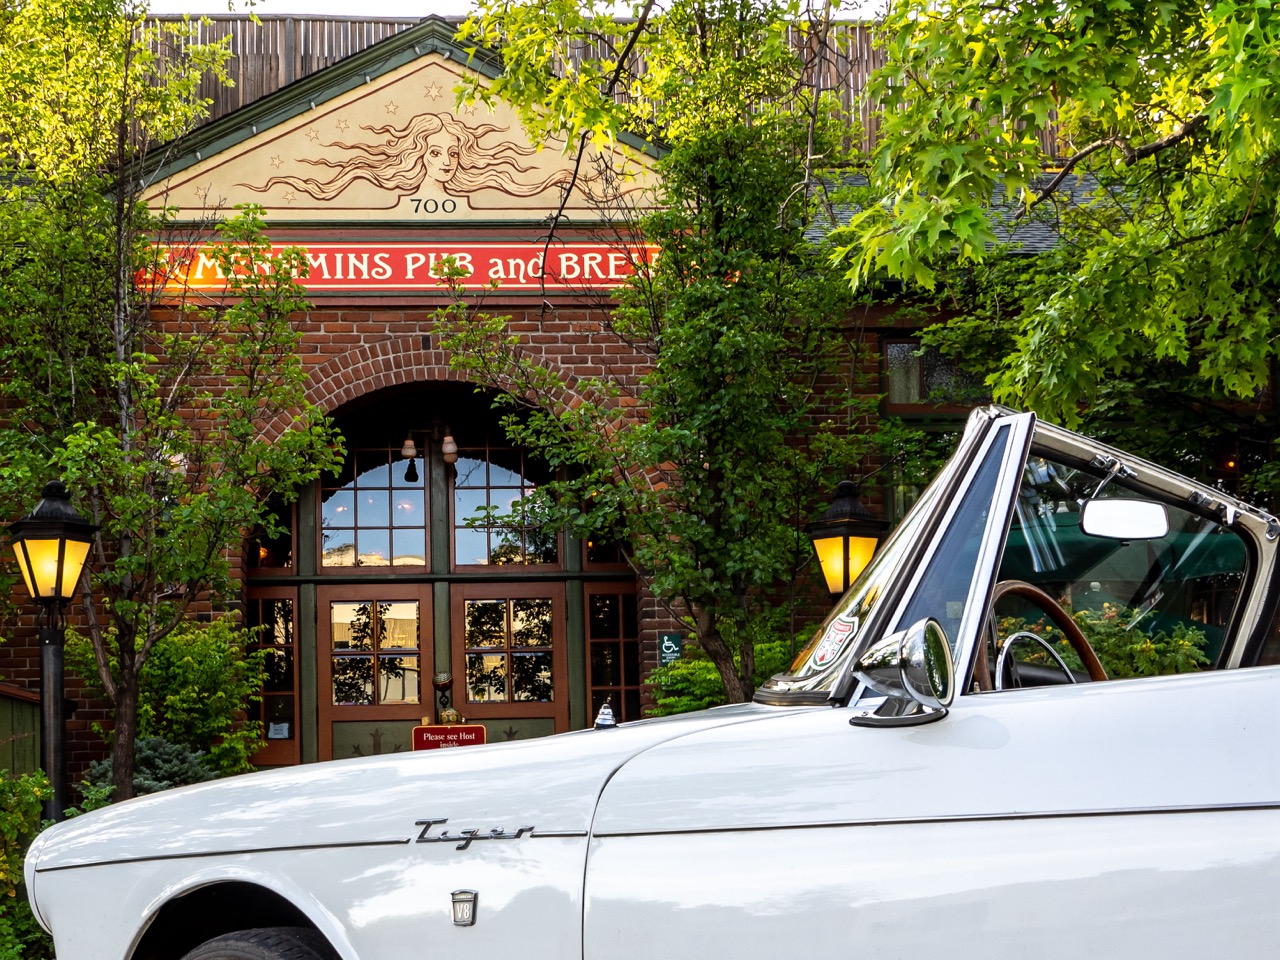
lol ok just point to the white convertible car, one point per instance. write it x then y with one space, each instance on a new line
1023 732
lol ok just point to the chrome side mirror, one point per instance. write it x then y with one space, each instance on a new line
914 672
1124 519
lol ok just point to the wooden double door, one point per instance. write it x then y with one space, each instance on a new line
377 654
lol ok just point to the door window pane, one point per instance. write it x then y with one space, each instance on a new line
531 677
353 681
531 622
272 621
486 624
398 679
486 678
357 630
508 655
613 648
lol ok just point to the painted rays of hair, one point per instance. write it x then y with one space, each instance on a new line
398 162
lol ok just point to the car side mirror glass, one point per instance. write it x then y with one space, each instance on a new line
914 672
927 670
1124 519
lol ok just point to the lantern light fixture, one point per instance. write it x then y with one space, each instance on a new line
845 537
51 545
410 449
449 447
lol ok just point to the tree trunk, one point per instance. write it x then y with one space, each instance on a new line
714 646
124 735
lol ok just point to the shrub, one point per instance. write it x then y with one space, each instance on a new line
1126 644
194 690
693 683
21 799
158 765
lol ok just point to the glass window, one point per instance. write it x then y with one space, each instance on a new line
270 546
491 524
375 513
272 620
920 376
375 652
613 650
508 650
1144 607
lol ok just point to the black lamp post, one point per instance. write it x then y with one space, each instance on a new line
52 544
846 537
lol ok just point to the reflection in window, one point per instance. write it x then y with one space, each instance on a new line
491 525
613 646
272 620
270 545
1155 606
375 652
508 650
375 514
920 375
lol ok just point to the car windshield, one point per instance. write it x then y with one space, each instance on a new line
1017 570
823 661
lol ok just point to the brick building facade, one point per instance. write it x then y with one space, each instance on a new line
382 589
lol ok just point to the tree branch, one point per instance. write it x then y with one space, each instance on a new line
1131 155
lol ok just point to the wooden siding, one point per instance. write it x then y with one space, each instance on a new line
269 55
276 51
19 729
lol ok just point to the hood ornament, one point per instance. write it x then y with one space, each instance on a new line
604 719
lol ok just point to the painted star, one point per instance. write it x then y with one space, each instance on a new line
290 196
313 134
434 91
342 126
202 193
277 163
392 107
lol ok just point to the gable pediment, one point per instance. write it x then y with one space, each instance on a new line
378 138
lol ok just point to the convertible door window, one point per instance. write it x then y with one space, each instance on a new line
1144 607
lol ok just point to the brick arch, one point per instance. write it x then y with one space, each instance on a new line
372 367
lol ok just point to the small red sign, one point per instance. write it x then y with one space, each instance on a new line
436 736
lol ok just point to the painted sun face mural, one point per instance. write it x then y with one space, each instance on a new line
435 151
398 149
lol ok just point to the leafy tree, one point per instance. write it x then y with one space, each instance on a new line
193 690
705 472
1200 431
151 412
1164 116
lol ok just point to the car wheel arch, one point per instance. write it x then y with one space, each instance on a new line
214 909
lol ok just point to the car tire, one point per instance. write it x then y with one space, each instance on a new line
265 943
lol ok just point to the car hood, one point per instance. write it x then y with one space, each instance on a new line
550 784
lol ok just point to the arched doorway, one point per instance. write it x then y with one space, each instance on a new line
396 571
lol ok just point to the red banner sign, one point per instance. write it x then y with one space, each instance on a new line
393 267
437 736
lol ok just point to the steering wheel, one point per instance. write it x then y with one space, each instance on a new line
1055 614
